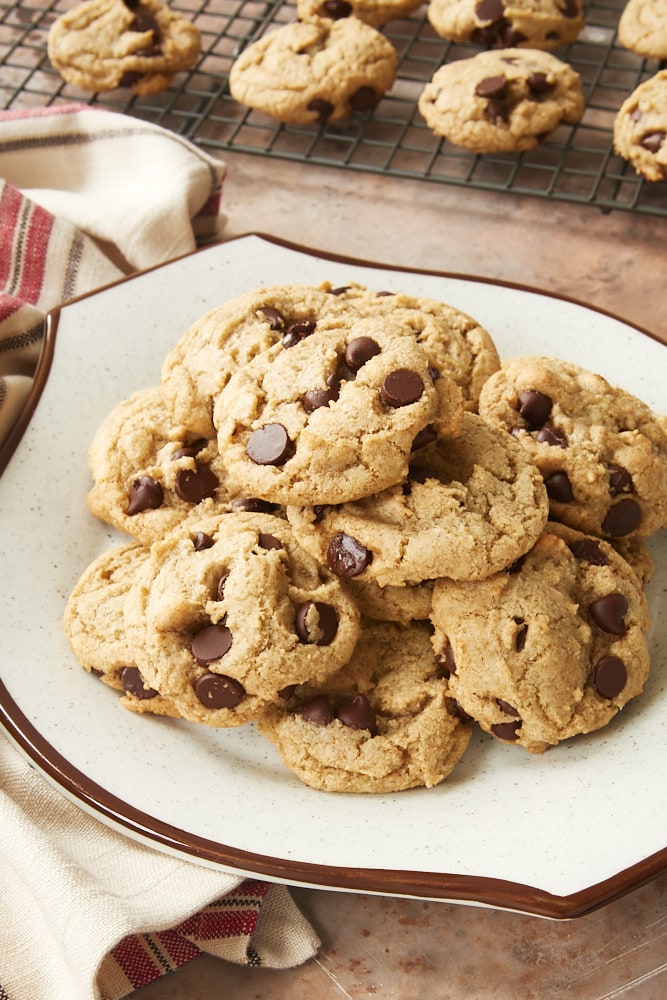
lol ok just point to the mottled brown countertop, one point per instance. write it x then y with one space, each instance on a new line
403 949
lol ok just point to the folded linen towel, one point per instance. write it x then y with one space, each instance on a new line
87 196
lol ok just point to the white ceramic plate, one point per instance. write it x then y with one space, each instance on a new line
556 834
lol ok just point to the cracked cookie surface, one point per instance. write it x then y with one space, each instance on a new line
310 72
640 128
550 650
469 506
334 416
99 45
384 723
602 451
501 100
536 24
229 610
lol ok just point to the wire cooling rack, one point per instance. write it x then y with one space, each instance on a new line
574 164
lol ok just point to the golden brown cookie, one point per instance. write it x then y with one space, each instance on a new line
553 648
384 723
602 452
470 505
640 127
94 623
501 100
315 71
535 24
103 44
229 611
333 417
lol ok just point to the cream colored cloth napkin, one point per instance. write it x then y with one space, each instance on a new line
86 913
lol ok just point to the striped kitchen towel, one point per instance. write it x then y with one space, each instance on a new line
88 914
87 196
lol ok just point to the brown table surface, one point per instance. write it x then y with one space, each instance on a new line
400 949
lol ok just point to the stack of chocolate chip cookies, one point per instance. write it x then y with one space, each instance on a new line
349 522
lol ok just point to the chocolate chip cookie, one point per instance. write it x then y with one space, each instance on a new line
453 340
501 100
642 28
602 452
384 723
150 472
535 24
373 12
553 648
94 623
468 507
640 127
225 338
334 416
99 45
311 72
229 611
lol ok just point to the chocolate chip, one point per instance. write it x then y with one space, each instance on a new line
608 613
496 111
559 487
506 730
336 9
520 635
364 99
538 84
505 707
457 710
202 541
313 399
133 683
219 691
267 541
620 480
489 10
491 86
341 290
610 676
624 517
434 372
359 351
346 556
320 511
358 714
145 493
549 435
273 317
508 35
570 8
401 388
652 141
254 505
322 108
445 660
269 445
316 622
534 407
287 692
194 485
220 589
190 450
589 550
426 436
298 331
211 643
318 710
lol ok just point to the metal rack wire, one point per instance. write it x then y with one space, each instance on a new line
576 163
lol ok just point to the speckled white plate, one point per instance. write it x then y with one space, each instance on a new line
556 834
